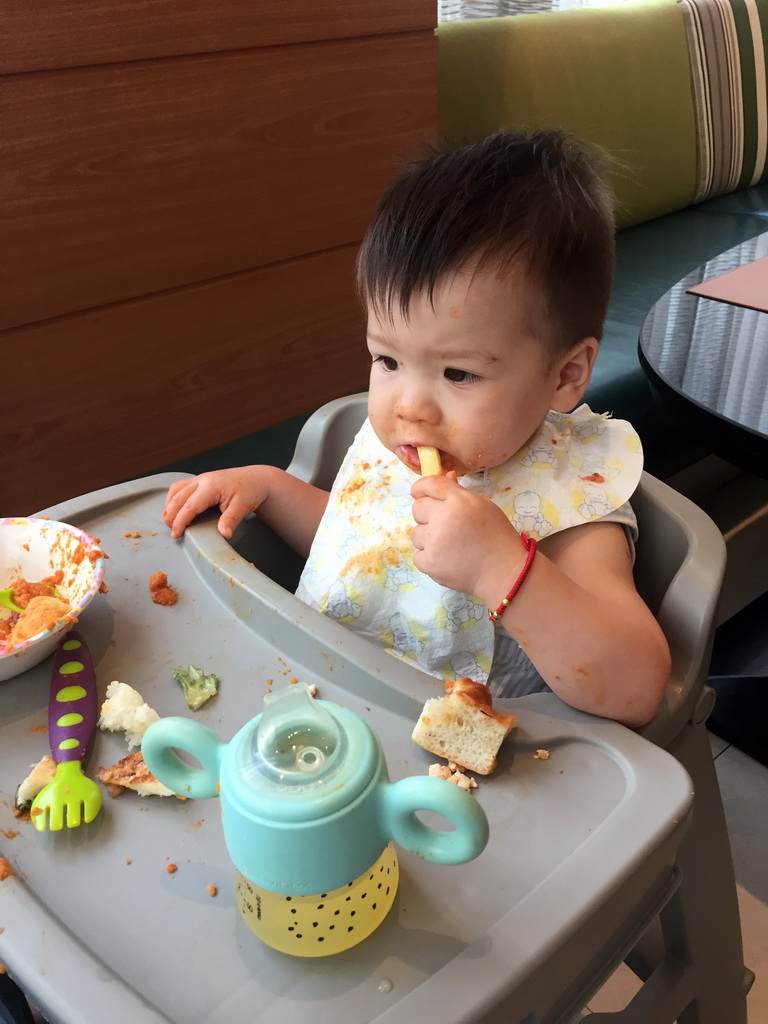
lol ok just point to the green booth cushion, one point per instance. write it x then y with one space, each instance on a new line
617 77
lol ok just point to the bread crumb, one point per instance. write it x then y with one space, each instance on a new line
454 773
542 755
11 833
170 868
463 781
212 890
312 690
5 869
127 860
3 968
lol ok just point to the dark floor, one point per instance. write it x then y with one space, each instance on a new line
739 676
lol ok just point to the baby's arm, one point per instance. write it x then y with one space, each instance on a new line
578 615
290 506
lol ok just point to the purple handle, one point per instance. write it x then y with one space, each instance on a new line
72 705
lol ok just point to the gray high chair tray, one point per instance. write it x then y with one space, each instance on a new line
96 929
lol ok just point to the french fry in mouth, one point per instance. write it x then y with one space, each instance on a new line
430 461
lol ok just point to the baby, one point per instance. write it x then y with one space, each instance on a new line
486 273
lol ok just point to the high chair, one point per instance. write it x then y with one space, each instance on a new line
686 950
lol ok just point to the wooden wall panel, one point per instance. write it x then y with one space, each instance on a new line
129 179
118 391
183 188
37 35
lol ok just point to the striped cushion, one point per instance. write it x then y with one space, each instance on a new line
728 45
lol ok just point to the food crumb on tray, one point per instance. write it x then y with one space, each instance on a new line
542 754
6 871
171 869
212 890
454 773
159 590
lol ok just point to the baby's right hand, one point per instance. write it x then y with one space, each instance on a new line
236 492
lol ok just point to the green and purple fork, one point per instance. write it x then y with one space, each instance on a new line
72 713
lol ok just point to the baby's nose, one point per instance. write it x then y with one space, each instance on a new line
418 405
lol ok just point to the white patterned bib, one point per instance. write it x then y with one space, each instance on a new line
577 468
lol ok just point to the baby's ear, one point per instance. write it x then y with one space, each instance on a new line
574 372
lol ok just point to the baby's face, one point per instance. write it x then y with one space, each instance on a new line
465 377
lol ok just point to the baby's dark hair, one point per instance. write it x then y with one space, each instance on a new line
513 201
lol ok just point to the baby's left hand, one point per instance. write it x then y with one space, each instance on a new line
462 540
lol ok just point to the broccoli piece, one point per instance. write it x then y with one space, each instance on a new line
197 686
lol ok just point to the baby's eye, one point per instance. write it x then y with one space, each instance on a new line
387 362
460 376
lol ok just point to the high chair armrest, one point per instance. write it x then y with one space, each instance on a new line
679 572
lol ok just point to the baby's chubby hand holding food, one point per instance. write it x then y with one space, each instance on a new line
462 539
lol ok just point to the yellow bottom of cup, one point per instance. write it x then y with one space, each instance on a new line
323 924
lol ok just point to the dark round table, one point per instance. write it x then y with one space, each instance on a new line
707 362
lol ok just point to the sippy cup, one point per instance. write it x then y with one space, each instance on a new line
309 817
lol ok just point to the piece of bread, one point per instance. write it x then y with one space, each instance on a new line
132 773
125 710
463 727
42 773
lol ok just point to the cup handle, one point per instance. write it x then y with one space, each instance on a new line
166 765
402 799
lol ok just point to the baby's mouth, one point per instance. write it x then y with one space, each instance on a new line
409 454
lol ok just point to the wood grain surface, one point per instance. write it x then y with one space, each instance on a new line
184 188
134 386
37 35
129 179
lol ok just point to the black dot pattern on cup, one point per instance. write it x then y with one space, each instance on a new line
329 922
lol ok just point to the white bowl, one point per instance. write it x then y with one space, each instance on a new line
32 549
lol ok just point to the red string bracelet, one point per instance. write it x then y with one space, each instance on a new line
529 543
